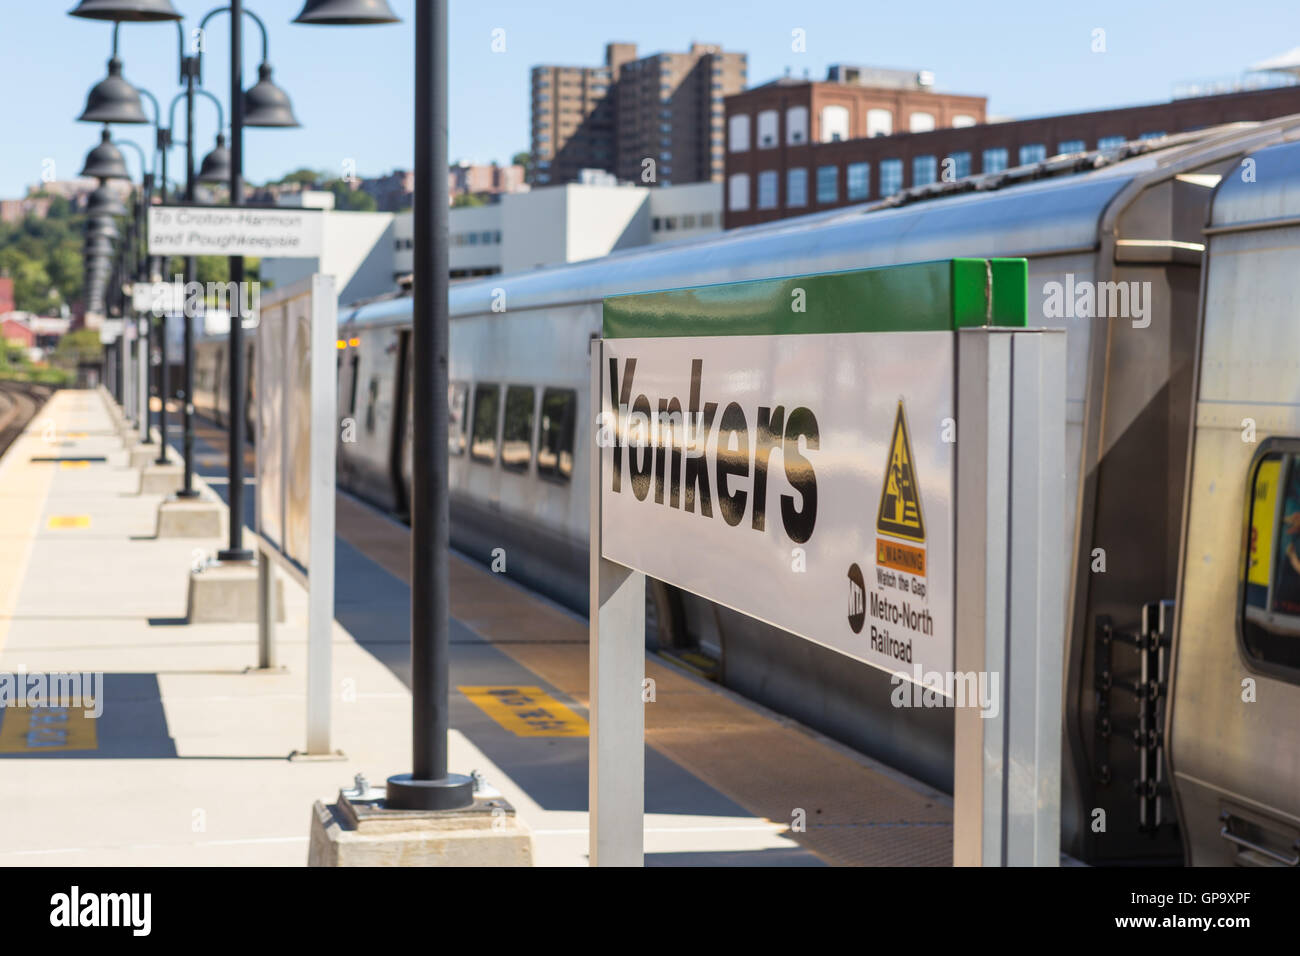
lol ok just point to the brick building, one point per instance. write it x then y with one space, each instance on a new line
667 107
787 156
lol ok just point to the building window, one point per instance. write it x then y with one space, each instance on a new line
688 219
891 176
924 170
1033 153
828 184
706 220
655 224
796 188
959 167
796 125
835 123
880 122
962 120
738 192
920 122
1072 146
859 181
768 121
738 129
767 189
995 160
1111 142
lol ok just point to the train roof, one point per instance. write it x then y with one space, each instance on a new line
1046 208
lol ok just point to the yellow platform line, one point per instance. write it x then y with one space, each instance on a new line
20 478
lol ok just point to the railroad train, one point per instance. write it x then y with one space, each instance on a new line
1182 711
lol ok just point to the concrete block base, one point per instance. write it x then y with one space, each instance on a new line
161 479
366 833
227 593
189 518
142 456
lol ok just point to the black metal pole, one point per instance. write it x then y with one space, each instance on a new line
430 786
236 551
142 274
155 273
189 65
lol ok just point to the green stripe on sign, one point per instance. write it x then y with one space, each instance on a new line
919 297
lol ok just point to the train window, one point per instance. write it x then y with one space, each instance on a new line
1270 586
555 446
483 440
352 399
517 432
457 417
372 398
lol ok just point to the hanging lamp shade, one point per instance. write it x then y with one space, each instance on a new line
98 246
105 160
113 99
265 104
102 226
137 11
216 165
346 13
104 203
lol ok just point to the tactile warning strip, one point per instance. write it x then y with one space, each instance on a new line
851 813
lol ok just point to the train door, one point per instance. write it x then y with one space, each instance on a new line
1234 717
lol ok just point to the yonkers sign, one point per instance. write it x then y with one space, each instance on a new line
751 471
787 448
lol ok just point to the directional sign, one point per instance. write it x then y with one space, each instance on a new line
223 231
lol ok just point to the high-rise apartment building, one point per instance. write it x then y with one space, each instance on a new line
667 108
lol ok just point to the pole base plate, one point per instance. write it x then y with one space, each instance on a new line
453 792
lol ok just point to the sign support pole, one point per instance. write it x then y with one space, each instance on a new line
616 782
1010 581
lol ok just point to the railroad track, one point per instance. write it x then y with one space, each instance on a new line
19 403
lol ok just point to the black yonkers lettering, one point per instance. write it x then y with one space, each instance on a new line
659 447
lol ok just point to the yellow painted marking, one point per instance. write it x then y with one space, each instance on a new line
527 711
33 730
74 435
74 464
61 522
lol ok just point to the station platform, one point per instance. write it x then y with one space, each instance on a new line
188 763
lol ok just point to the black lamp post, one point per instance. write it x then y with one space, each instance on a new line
429 786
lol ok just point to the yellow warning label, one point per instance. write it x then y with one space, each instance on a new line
1259 559
73 463
527 711
899 514
33 730
62 522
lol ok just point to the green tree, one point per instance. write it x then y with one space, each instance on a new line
348 197
468 199
82 345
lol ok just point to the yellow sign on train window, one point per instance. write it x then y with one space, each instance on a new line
527 711
1263 509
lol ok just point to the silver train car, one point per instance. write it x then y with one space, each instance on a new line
1182 710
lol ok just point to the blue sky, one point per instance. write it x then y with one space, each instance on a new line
351 87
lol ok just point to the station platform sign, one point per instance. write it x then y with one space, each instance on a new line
867 460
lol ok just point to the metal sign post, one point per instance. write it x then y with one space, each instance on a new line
296 407
790 449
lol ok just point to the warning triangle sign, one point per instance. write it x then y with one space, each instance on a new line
899 514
